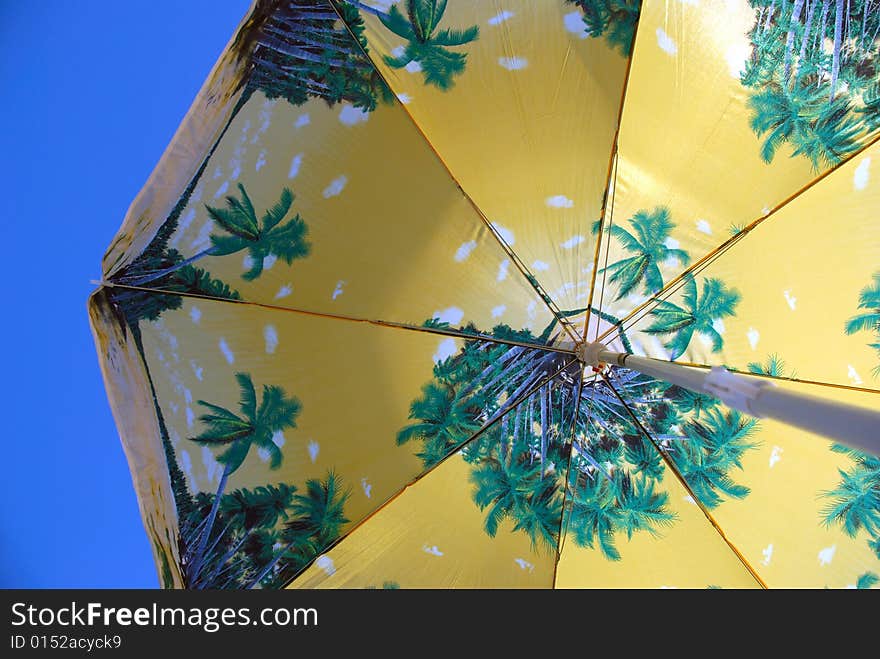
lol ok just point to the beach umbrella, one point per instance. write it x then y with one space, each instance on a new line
514 294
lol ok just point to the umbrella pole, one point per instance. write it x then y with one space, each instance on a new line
855 427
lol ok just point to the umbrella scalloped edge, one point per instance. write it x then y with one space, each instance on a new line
128 391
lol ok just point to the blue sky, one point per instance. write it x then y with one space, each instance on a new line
92 94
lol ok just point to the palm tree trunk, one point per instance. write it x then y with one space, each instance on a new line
820 35
835 61
199 558
266 570
803 51
789 40
315 16
513 352
543 396
298 53
276 33
768 16
140 281
517 423
503 447
222 561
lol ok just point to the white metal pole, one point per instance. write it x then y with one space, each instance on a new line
856 427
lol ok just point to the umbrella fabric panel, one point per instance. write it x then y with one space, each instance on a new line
433 536
333 205
803 511
522 105
799 290
723 121
269 406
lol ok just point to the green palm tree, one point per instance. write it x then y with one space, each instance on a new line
782 115
686 401
319 513
715 446
138 304
648 244
317 518
867 580
425 44
616 20
236 434
515 489
261 507
697 314
869 321
594 514
303 52
855 502
445 419
640 507
834 134
800 99
261 238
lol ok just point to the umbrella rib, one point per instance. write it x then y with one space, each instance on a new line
531 279
379 323
562 526
605 266
613 158
492 421
673 285
785 378
681 479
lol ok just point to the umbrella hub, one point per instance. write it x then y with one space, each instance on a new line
588 353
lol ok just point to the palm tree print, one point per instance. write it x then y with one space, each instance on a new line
268 534
698 314
236 434
820 103
648 242
854 504
824 132
318 517
541 466
716 444
386 585
264 237
303 52
867 580
869 320
604 506
615 20
516 489
773 366
426 44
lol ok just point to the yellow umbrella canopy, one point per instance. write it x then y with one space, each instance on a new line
339 327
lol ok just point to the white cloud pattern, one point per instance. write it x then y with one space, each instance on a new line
500 17
559 201
351 116
665 42
862 174
513 63
336 186
270 334
465 250
227 352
